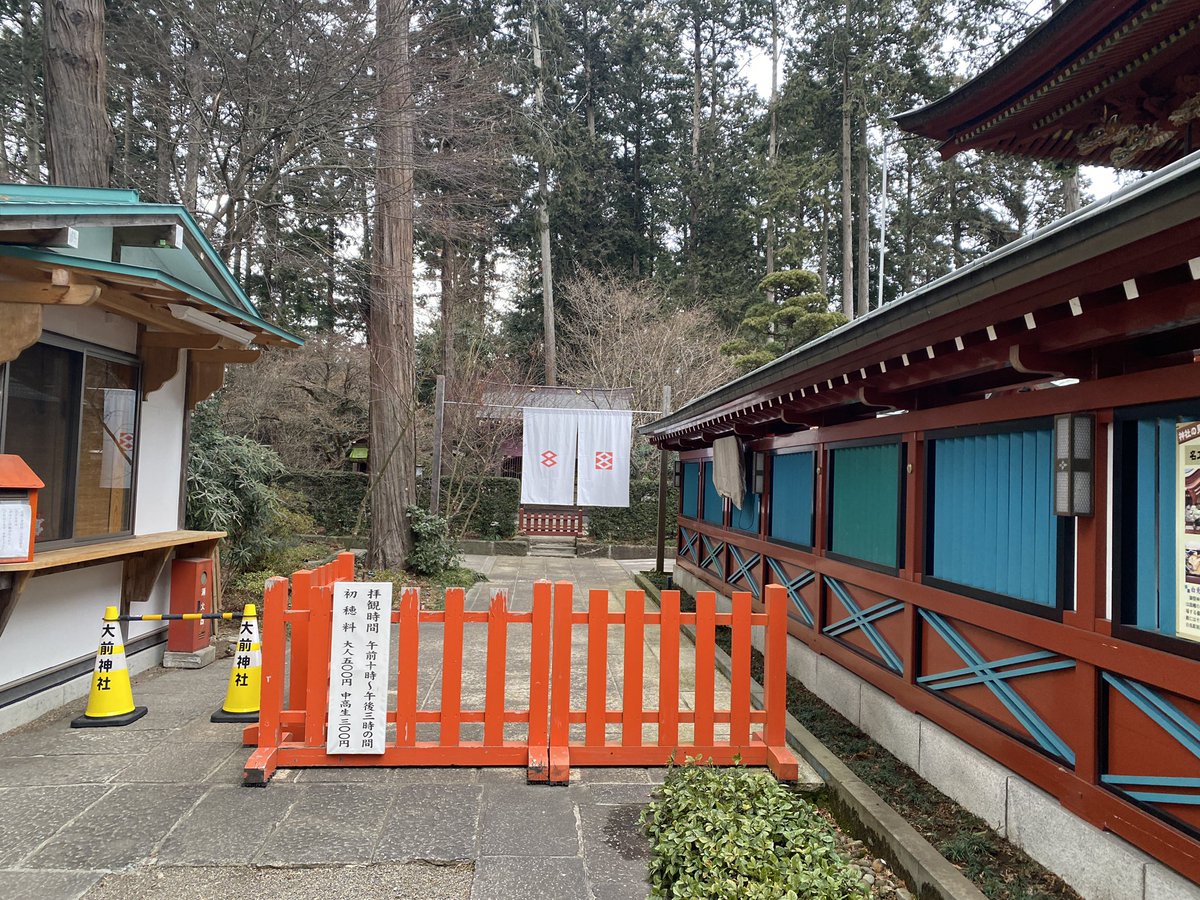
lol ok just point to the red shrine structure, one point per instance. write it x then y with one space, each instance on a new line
979 496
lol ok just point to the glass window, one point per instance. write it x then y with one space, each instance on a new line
992 523
689 503
746 518
72 416
1157 521
714 504
865 503
792 482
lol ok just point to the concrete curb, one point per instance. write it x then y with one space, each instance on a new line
858 808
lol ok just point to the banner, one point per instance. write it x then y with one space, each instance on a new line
548 457
120 416
604 442
1187 529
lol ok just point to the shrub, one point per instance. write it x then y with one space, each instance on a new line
333 498
737 834
478 507
639 522
432 552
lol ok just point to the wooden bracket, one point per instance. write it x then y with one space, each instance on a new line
204 380
20 327
11 585
140 573
178 340
159 365
60 289
1062 365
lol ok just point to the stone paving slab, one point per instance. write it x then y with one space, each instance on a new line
156 809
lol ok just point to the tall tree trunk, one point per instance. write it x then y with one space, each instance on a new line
390 319
589 99
906 267
771 143
694 188
194 67
847 208
823 263
1071 193
33 121
550 352
79 136
864 220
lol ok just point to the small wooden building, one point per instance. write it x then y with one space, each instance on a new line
976 496
116 318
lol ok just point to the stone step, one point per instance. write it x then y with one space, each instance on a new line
551 540
555 552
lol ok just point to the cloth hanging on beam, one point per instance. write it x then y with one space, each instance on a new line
548 457
604 448
729 478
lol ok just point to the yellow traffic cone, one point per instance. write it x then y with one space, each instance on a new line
111 699
245 681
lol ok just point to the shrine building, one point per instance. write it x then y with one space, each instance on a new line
116 318
982 497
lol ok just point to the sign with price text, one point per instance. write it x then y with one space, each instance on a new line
358 667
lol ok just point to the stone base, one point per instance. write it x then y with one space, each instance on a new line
177 659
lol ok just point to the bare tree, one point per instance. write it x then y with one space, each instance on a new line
79 136
390 317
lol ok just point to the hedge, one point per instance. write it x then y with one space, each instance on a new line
489 508
334 498
637 524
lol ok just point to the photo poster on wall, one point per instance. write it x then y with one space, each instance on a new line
1187 491
358 667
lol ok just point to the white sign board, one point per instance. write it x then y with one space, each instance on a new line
16 518
358 667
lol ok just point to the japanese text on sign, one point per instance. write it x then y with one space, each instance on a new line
358 667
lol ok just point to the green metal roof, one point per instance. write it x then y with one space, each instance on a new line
196 269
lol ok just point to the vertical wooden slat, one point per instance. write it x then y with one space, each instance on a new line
597 668
497 652
631 704
316 701
302 585
560 675
705 641
539 666
273 635
452 644
668 670
408 653
775 664
739 692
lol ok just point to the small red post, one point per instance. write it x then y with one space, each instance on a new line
597 668
780 759
631 704
452 645
316 698
408 652
560 684
539 684
739 682
302 587
497 651
668 670
706 636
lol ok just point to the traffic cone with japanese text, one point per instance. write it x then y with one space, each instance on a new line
245 681
110 701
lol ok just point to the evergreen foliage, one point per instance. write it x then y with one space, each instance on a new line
793 313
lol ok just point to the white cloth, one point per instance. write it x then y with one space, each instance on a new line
728 477
604 447
120 418
548 457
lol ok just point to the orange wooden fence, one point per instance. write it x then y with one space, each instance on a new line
292 734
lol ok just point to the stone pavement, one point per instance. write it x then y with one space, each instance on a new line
156 809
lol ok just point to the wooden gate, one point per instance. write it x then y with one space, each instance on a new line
555 523
293 734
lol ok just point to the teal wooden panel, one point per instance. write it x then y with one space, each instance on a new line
865 500
714 505
792 486
689 494
746 518
993 527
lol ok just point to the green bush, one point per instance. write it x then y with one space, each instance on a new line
488 507
432 551
230 488
738 834
638 523
333 498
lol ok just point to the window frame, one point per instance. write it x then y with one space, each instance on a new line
699 464
1064 577
85 349
901 502
1124 602
793 451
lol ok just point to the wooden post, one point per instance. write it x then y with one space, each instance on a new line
439 416
661 533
